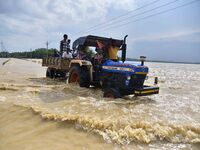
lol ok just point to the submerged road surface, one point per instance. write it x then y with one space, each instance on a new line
40 113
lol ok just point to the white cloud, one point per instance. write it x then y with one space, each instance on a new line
24 20
178 35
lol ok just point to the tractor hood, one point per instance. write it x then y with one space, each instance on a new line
118 67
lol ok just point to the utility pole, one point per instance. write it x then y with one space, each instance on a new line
1 50
31 53
1 46
47 45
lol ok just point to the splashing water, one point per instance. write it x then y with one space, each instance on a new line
35 110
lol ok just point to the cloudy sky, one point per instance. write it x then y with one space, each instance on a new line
173 35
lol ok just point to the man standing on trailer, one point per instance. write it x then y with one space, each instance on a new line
64 44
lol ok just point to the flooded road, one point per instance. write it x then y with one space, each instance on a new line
40 113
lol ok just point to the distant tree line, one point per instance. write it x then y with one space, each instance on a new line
37 53
43 52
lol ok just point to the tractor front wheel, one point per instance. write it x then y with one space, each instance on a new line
111 93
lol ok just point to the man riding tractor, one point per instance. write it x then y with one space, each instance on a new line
104 69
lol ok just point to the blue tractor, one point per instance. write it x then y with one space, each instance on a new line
105 70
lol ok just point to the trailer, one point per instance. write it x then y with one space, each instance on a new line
56 66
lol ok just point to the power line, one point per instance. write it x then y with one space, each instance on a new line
125 14
133 16
142 13
120 16
139 14
150 16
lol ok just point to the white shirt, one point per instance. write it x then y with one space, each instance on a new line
65 55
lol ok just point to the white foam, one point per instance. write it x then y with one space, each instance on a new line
2 99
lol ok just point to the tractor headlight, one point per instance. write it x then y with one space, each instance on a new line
128 77
126 69
118 68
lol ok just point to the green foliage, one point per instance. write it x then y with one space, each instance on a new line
4 54
37 53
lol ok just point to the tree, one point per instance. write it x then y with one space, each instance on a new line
37 53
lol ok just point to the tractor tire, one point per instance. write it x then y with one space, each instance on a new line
79 75
50 73
111 93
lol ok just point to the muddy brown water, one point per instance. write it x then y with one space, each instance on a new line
40 113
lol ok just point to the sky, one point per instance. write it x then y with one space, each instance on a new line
170 36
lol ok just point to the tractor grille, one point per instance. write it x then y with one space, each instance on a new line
137 80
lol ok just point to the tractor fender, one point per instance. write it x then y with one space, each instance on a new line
81 63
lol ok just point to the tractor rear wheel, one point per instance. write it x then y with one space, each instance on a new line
80 76
111 93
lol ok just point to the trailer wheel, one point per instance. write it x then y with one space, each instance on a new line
79 75
111 93
60 74
50 73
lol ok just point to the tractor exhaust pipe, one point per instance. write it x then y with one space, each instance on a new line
124 49
125 39
156 81
142 59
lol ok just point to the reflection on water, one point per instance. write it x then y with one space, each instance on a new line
35 111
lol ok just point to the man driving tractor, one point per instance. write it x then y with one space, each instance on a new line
108 51
113 50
